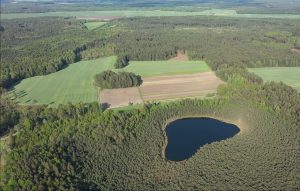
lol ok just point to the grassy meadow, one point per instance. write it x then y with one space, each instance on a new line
148 13
72 84
75 83
94 25
159 68
287 75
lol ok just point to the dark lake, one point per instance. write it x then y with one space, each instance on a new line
186 136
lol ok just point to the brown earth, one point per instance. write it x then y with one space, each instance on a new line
120 97
180 57
295 50
179 86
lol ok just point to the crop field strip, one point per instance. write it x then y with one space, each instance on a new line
179 86
75 83
162 88
287 75
159 68
72 84
147 13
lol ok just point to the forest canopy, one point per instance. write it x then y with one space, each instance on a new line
110 80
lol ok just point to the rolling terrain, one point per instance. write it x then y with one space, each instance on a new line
75 83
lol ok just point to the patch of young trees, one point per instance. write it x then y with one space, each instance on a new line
110 80
122 61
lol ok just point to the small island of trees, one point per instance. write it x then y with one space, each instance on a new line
110 80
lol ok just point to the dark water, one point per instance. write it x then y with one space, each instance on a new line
186 136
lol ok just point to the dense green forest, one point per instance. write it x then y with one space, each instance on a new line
109 80
85 147
31 47
82 147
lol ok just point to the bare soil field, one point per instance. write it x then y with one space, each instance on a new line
114 98
180 57
295 50
179 86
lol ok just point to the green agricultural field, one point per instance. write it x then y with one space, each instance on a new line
148 13
287 75
75 83
94 25
158 68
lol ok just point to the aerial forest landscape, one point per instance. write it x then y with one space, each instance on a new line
149 95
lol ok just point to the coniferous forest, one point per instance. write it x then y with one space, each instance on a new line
86 147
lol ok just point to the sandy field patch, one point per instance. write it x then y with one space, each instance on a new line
295 50
179 86
180 57
114 98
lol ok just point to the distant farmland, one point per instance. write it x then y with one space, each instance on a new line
146 13
287 75
75 83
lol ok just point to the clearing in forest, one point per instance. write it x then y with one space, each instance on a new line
179 86
94 25
297 50
180 57
164 68
287 75
75 83
72 84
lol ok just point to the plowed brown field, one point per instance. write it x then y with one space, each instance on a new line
120 97
179 86
162 88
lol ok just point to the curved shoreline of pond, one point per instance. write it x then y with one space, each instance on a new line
239 123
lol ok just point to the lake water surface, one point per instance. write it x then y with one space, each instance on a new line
186 136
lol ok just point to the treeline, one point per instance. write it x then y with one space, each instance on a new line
110 80
39 46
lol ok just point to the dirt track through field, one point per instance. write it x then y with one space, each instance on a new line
180 57
178 86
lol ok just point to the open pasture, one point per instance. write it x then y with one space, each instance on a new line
72 84
146 13
159 68
287 75
94 25
179 86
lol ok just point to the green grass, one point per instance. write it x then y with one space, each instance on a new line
148 13
75 83
159 68
94 25
72 84
287 75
